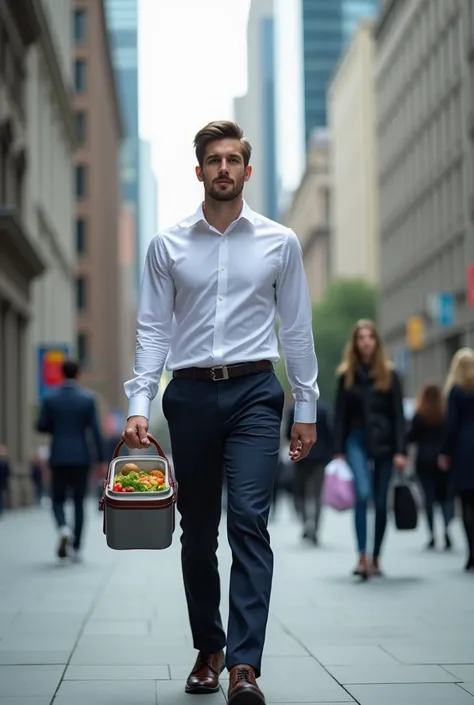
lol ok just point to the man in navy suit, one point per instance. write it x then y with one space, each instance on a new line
69 414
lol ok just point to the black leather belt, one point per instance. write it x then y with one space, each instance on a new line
220 373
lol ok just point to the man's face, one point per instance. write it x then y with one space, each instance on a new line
223 171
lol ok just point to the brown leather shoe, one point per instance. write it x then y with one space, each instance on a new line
243 688
204 678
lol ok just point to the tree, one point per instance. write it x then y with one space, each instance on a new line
345 302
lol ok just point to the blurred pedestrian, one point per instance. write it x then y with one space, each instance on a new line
426 433
4 475
37 474
309 474
69 414
370 432
457 452
213 287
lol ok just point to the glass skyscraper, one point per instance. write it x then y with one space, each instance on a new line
327 27
122 22
267 29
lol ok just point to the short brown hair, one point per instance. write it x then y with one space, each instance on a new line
221 130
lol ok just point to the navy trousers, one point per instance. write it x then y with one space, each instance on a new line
230 426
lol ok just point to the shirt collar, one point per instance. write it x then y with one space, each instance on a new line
199 217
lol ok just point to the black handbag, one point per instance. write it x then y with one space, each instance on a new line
404 507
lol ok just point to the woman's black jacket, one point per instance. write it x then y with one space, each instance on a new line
379 413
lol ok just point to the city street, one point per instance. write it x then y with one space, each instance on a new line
113 631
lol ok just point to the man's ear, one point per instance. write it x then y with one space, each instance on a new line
199 173
248 173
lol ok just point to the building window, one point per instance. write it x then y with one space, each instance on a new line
80 75
82 347
81 127
81 237
81 294
81 182
80 26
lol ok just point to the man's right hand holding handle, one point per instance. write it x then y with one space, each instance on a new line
135 434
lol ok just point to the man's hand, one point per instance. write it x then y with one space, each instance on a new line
135 434
303 437
400 462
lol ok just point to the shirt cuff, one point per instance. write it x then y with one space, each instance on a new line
139 406
305 412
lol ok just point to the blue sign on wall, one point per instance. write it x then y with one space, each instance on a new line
402 360
50 360
446 309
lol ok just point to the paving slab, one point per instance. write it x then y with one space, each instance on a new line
413 694
25 701
108 692
29 681
10 657
111 673
391 673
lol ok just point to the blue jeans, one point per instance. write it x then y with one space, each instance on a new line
370 484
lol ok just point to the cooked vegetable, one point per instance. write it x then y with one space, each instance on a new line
140 481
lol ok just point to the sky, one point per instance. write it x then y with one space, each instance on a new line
192 62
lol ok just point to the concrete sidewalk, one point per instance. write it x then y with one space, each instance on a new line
114 631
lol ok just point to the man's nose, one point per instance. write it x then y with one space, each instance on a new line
223 169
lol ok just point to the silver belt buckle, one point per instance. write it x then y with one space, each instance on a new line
223 369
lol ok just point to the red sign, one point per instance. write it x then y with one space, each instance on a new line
50 362
470 284
52 367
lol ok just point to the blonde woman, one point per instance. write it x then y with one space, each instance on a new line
369 432
458 446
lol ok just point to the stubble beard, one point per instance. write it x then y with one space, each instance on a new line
222 196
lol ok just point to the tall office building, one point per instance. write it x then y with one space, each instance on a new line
255 111
351 118
327 26
424 74
122 23
309 215
100 286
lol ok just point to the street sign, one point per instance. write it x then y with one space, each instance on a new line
402 360
432 306
415 333
446 309
50 360
470 284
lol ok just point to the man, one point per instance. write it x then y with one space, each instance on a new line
211 290
309 474
69 414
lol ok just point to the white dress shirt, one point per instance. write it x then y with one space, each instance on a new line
209 299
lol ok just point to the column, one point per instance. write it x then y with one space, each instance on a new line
11 397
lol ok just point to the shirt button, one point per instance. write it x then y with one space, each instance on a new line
222 269
220 298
